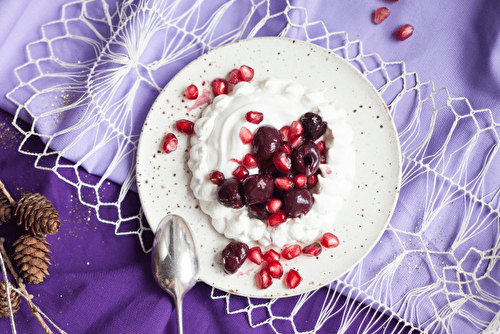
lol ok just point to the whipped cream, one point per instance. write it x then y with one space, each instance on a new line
216 142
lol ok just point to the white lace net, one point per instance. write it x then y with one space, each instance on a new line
429 273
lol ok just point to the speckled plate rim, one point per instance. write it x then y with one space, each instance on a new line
163 179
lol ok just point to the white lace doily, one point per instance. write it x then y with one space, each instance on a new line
429 272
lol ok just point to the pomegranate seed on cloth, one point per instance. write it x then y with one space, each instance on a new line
191 92
404 32
169 143
380 15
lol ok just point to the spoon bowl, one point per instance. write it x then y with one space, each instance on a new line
174 260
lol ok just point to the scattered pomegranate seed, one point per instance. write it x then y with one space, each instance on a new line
313 249
291 251
255 255
271 255
275 269
276 218
240 173
233 77
296 129
273 205
185 126
217 177
300 180
245 135
292 279
169 143
312 181
283 183
191 92
245 73
282 161
296 142
329 240
249 161
321 146
285 133
380 15
263 279
219 86
254 117
286 148
404 32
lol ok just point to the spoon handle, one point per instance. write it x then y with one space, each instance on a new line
178 309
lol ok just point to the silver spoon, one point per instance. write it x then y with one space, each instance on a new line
174 260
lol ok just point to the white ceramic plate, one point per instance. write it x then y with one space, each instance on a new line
163 179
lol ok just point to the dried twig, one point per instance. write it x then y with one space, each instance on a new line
6 193
22 287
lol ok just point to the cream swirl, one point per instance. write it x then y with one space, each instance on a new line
216 142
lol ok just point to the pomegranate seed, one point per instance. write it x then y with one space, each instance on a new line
219 86
240 173
296 129
282 161
321 146
245 135
263 279
276 218
233 77
185 126
285 133
271 255
255 255
216 177
322 159
296 142
291 251
404 32
283 183
292 279
312 181
273 205
191 92
313 249
254 117
300 180
275 269
380 15
285 148
169 143
249 161
329 240
245 73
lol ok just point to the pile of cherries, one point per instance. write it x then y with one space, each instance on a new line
288 162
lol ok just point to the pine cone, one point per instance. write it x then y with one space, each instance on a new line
4 303
37 214
32 256
5 208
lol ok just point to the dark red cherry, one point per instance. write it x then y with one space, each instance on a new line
257 189
313 124
297 202
306 158
229 193
266 141
259 211
233 256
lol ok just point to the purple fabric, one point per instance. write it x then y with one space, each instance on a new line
101 283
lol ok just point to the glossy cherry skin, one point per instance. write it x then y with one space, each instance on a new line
257 189
297 202
266 142
306 158
229 193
